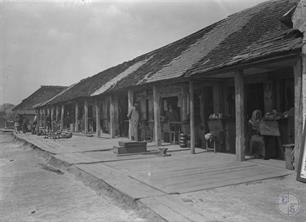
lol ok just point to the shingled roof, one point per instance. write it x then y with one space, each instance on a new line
39 96
247 35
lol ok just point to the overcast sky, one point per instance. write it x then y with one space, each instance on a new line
61 42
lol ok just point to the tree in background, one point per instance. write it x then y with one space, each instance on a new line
7 116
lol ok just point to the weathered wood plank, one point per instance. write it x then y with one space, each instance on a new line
86 116
192 123
240 116
173 209
130 105
156 107
298 107
76 117
121 181
98 126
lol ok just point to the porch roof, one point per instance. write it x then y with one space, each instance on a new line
247 35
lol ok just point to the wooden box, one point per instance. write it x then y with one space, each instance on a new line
130 147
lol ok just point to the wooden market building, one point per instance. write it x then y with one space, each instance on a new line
26 109
253 59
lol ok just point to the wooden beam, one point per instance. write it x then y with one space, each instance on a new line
113 113
45 117
39 117
86 116
184 113
240 116
192 120
62 117
298 109
98 126
202 113
156 108
76 117
52 118
56 113
130 105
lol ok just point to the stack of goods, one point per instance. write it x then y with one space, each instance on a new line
216 116
59 135
274 115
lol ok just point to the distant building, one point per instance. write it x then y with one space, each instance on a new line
26 107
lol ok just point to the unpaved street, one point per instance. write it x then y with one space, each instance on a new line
30 190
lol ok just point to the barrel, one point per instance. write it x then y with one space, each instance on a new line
183 140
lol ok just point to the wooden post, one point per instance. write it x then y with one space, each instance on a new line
202 113
86 116
299 20
98 126
184 114
112 117
298 109
62 117
156 108
45 117
39 118
56 113
192 123
240 116
76 117
130 105
52 117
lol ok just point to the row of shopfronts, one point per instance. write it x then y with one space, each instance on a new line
195 107
221 100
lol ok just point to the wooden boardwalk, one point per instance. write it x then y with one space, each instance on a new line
156 180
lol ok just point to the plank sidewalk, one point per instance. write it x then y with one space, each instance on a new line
156 181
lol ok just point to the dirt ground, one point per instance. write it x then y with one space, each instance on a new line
30 190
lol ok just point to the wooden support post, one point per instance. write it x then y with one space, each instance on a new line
45 117
62 117
98 126
299 20
192 123
112 111
156 108
130 105
184 110
86 116
52 118
240 116
56 113
76 118
41 111
39 118
202 113
298 109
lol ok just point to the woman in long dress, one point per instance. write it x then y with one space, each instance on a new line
133 116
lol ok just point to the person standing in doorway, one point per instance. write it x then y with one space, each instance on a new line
133 116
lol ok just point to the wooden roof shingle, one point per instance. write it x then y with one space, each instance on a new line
243 36
42 94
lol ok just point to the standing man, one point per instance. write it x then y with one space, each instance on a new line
133 116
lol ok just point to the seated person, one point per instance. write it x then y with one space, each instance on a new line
256 141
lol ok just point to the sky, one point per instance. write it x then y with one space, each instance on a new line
61 42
